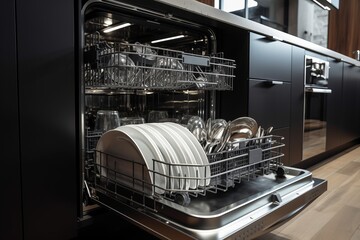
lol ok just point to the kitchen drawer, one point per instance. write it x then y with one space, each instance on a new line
269 59
269 103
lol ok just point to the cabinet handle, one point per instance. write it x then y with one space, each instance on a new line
318 90
275 82
274 38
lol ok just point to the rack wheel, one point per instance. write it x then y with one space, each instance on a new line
182 198
280 172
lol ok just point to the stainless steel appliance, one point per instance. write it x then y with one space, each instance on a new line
315 101
136 61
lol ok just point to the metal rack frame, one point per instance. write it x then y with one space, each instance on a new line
140 66
258 156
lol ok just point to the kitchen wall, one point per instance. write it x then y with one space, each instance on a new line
209 2
312 23
344 31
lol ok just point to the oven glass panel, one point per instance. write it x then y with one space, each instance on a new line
314 139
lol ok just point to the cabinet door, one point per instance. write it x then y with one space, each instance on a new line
350 113
47 106
334 133
269 59
297 105
269 104
10 200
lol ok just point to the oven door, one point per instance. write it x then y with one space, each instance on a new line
315 104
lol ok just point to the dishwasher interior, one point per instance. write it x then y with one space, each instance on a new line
145 67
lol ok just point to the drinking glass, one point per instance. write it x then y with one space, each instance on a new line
106 120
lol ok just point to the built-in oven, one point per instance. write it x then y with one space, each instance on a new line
315 104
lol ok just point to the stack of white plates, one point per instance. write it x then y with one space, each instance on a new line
127 155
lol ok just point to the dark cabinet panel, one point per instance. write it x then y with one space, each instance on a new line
269 103
233 104
48 118
297 105
10 200
350 105
334 133
269 59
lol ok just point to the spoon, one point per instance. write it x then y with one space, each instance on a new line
268 131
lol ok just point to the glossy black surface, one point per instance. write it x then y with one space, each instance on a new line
297 105
48 110
269 104
10 200
335 135
269 59
233 104
350 102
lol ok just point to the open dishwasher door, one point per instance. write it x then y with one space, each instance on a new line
248 210
129 66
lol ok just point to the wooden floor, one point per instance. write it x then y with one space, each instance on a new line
336 213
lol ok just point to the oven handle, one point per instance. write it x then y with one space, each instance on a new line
318 90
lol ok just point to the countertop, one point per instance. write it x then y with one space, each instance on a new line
204 10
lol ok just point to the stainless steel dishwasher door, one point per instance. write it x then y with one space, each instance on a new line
250 209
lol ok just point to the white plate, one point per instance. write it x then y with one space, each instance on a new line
159 172
130 156
189 156
197 150
169 155
181 155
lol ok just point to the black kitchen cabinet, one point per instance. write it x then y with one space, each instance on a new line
269 59
10 200
334 134
269 103
350 103
263 84
46 102
297 105
235 43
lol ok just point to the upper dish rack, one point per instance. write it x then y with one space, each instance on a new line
141 66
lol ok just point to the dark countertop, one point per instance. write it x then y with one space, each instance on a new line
217 15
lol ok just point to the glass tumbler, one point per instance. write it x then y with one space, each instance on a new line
106 120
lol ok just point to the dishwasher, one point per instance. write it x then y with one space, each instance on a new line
146 67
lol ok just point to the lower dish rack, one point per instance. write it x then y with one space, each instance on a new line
248 193
224 170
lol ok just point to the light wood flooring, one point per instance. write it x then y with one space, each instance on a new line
335 215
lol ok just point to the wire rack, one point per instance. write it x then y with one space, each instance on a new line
136 182
141 66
